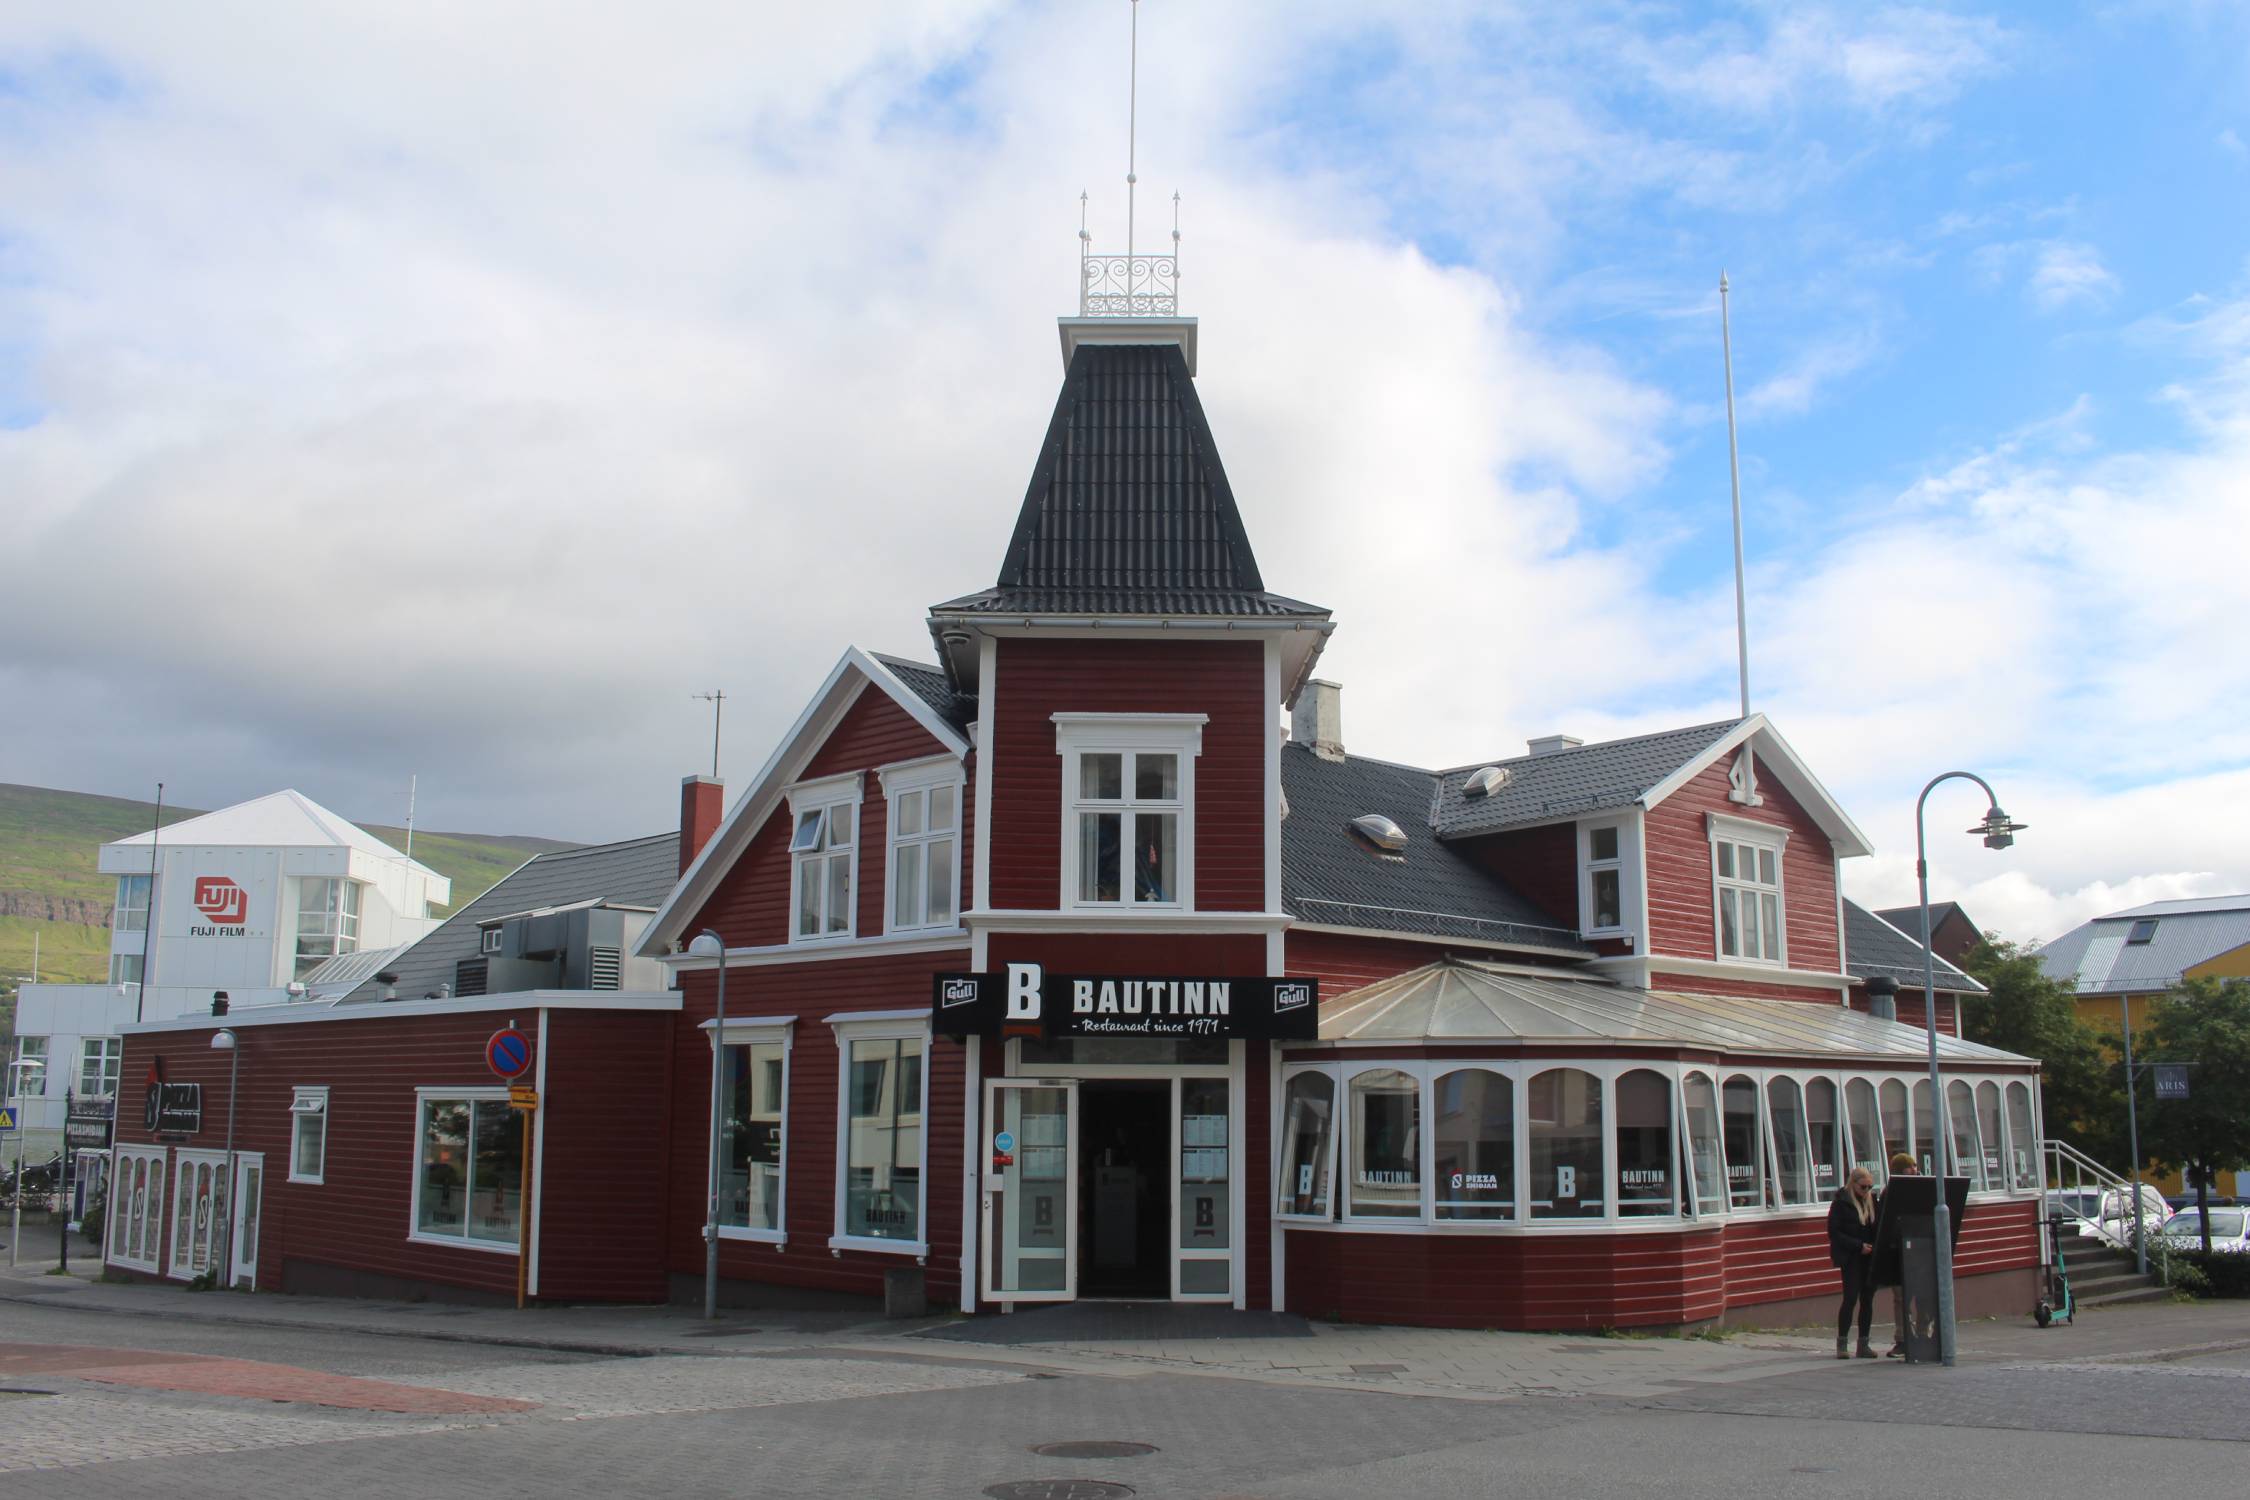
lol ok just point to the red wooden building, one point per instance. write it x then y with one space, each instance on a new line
1061 967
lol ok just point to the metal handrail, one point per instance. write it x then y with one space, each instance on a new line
2072 1173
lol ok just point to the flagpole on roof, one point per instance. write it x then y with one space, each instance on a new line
1734 471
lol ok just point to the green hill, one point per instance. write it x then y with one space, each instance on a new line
49 886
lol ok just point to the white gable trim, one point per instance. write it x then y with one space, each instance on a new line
850 677
1787 768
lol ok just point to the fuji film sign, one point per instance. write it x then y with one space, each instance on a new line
224 905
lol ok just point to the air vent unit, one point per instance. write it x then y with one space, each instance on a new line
1379 831
603 966
1484 781
469 976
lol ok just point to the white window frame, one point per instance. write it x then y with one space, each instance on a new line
922 776
1338 1111
878 1026
1351 1107
464 1240
120 1171
1081 734
123 916
106 1071
1588 865
819 796
19 1063
311 1102
117 963
186 1161
768 1031
340 935
1729 830
488 941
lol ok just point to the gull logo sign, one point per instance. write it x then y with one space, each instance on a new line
957 992
1289 997
220 899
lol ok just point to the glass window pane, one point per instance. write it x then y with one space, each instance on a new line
1988 1129
1866 1131
2023 1140
1961 1114
442 1207
1608 907
909 814
883 1155
1602 843
941 880
1703 1144
1385 1142
807 837
839 893
1645 1158
941 808
906 886
1204 1219
1925 1130
1156 855
1307 1119
1792 1164
1156 778
311 1139
750 1137
1749 924
1766 874
1101 778
496 1175
1738 1107
1726 861
1825 1136
1565 1109
1770 906
1730 941
1476 1145
1098 852
839 826
1895 1136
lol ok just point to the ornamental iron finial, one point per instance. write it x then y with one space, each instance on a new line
1129 285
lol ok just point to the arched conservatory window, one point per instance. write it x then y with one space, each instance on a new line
2023 1140
1645 1158
1925 1147
1822 1128
1476 1145
1866 1130
1995 1148
1308 1123
1386 1145
1896 1137
1961 1113
1738 1108
1566 1144
1792 1163
1710 1164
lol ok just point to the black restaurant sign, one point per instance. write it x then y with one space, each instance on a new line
1025 999
172 1109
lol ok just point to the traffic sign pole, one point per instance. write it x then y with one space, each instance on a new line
523 1206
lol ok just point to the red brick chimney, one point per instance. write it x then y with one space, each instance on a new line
702 801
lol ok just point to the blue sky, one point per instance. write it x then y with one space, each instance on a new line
451 395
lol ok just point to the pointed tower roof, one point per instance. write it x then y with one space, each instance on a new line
1129 511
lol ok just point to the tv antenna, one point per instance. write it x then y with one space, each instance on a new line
717 698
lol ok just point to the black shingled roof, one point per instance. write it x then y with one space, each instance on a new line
1129 511
1330 876
929 684
1873 946
1566 783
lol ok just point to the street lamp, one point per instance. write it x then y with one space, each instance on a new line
1998 831
223 1040
710 945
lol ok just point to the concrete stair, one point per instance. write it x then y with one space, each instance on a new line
2103 1276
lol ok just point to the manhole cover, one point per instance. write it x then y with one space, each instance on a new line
1093 1448
1057 1489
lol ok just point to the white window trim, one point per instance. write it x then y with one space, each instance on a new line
1628 877
161 1168
1078 734
113 1050
121 910
1726 829
312 1099
182 1160
743 1032
876 1026
488 941
1336 1109
919 776
803 797
422 1097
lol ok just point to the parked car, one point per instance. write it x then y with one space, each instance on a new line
2114 1224
2230 1231
2179 1202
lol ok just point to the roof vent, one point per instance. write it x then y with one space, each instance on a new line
1555 744
1379 831
1484 781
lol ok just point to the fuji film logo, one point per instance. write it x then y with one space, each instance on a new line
224 902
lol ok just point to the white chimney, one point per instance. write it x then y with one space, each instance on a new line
1318 722
1555 744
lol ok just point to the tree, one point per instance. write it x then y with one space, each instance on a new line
2206 1024
2025 1011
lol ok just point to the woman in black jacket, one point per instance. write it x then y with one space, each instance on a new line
1851 1249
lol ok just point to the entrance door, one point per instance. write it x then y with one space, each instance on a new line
1030 1190
249 1185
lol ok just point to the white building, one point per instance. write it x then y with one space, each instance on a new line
248 900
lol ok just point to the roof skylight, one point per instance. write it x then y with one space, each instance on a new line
1484 781
1379 831
2144 931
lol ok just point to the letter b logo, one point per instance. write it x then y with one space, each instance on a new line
1023 992
1566 1182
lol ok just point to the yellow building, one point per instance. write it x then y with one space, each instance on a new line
2121 963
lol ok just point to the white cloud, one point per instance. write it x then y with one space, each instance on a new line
2057 274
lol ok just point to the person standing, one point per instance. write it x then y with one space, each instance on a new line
1851 1249
1902 1165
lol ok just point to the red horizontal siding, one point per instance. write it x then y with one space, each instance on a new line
608 1142
1039 678
1679 871
1698 984
1343 963
1539 864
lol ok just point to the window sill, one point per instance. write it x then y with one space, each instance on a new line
774 1237
307 1181
453 1242
916 1248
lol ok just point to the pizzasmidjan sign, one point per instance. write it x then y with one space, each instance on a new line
1023 998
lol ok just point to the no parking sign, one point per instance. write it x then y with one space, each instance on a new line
508 1053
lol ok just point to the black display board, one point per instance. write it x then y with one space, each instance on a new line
1024 999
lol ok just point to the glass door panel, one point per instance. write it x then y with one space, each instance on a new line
1030 1190
1202 1217
249 1184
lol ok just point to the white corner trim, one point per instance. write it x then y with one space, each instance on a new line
888 1020
1748 830
748 1023
538 1160
843 786
915 775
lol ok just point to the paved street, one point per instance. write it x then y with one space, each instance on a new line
132 1389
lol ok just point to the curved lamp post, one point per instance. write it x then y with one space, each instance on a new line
710 945
1998 831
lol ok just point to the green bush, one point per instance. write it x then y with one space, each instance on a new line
2213 1275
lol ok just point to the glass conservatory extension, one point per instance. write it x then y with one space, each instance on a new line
1740 1107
